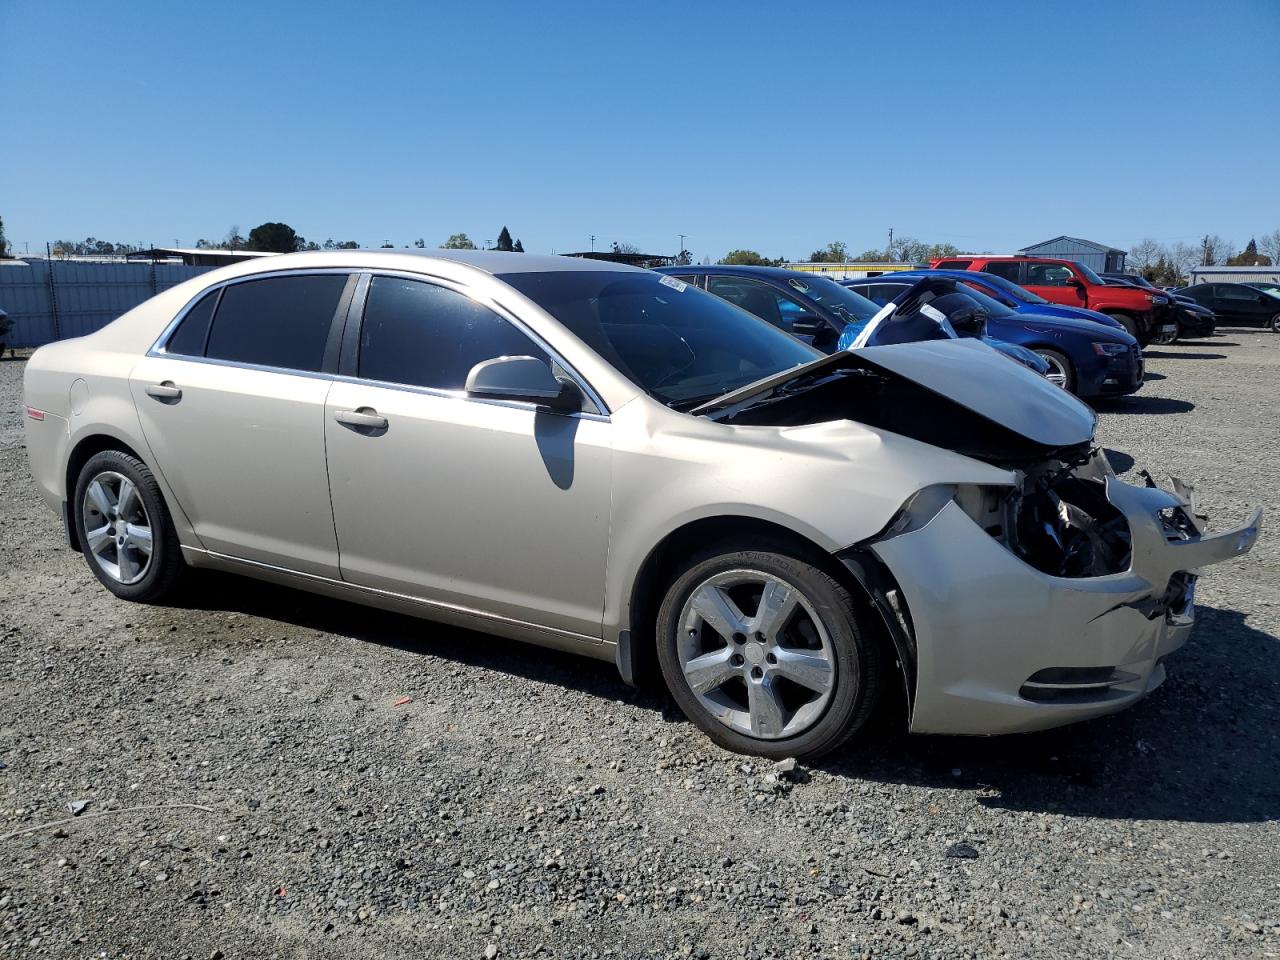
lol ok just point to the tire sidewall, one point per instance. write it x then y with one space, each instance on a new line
1130 325
855 665
165 553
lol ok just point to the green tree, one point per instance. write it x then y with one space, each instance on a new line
625 247
745 258
4 243
1249 257
274 237
504 241
419 243
233 240
834 252
458 241
684 258
518 247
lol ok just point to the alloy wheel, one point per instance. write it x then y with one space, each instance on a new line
1057 374
755 654
117 529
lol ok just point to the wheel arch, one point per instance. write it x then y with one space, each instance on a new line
85 448
858 570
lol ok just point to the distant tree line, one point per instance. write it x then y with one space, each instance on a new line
1170 264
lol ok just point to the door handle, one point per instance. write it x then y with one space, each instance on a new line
164 391
365 417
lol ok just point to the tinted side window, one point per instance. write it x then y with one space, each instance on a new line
1004 268
1047 275
953 265
188 340
276 322
764 301
428 336
1232 291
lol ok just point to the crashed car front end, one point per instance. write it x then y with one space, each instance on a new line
1048 595
1052 600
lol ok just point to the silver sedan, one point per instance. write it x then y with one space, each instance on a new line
612 462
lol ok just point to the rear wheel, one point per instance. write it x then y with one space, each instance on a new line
1130 325
124 528
1061 371
766 653
1275 323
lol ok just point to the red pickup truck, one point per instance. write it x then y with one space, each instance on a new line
1144 313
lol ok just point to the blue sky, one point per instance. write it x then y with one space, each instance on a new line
773 126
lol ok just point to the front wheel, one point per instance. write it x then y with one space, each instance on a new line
124 528
1275 323
766 653
1130 325
1167 339
1061 372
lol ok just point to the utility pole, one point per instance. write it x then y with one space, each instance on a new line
888 251
593 243
681 236
1204 251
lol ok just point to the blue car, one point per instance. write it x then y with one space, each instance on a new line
1088 358
1013 296
814 309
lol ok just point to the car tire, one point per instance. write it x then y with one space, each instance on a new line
744 693
120 515
1168 339
1062 371
1275 323
1130 325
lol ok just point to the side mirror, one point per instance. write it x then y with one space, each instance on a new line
1075 282
525 379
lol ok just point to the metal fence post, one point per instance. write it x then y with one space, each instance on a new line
53 293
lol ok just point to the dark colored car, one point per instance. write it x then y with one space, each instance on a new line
1086 358
815 309
1237 303
1192 319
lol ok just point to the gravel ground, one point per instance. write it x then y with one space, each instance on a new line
527 803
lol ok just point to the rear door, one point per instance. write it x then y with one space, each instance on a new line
492 506
232 406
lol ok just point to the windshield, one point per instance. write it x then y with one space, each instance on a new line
1088 274
680 345
1008 286
844 303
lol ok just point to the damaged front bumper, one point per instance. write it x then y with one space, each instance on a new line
1003 647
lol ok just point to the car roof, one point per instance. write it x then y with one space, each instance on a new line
490 261
740 270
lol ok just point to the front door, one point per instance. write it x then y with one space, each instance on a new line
1053 281
233 410
492 506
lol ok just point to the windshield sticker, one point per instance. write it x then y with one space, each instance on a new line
933 313
677 285
798 285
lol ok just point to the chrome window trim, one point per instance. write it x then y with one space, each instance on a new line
158 347
161 342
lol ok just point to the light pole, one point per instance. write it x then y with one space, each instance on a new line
593 243
680 252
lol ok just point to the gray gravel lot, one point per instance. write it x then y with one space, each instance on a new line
528 803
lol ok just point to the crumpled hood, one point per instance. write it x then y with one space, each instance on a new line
973 375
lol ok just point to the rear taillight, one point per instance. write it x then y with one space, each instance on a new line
35 414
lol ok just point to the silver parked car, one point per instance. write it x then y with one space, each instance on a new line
608 461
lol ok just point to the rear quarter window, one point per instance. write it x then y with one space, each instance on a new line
953 265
